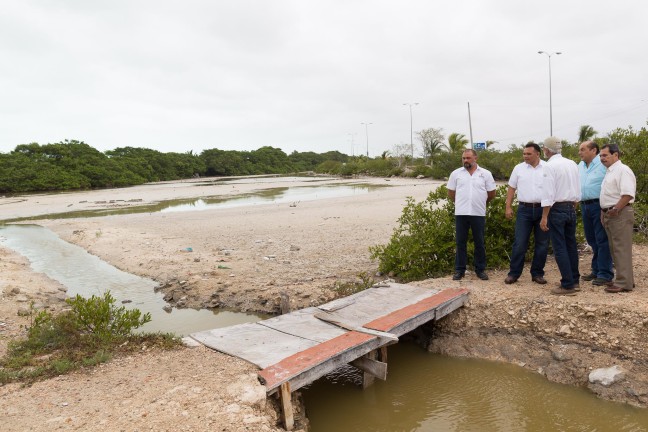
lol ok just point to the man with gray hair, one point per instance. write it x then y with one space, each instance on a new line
560 193
618 192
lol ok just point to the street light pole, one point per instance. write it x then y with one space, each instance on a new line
550 103
411 128
367 135
352 135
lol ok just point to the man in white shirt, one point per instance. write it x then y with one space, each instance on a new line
618 192
470 188
560 193
526 179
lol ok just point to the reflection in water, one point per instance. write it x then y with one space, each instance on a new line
266 196
275 195
88 275
427 392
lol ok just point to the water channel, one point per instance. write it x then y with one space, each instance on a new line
426 392
423 392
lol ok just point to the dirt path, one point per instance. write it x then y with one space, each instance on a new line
301 249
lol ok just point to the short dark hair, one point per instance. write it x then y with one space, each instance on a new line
473 151
592 145
612 148
535 146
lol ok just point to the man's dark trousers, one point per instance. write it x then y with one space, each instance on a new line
597 239
528 220
562 230
476 224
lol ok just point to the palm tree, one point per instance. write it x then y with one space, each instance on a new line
432 140
457 142
384 155
586 133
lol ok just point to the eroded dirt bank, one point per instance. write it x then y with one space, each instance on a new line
562 338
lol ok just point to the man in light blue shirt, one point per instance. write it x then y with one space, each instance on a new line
591 172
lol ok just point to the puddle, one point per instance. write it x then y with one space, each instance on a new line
87 275
429 392
281 195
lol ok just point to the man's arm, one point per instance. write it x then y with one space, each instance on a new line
544 226
451 195
625 199
491 196
510 192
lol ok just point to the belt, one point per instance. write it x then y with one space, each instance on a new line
595 200
532 205
563 203
605 210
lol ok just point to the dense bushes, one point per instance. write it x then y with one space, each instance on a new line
423 244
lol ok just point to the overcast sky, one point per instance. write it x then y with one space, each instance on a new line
303 75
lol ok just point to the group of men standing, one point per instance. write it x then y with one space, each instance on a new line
548 194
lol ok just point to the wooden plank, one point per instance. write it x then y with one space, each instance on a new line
371 366
368 378
286 406
378 302
306 366
255 343
408 318
302 323
450 306
330 318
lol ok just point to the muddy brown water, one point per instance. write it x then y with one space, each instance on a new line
427 392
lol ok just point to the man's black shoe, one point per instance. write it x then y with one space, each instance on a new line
482 276
589 277
457 276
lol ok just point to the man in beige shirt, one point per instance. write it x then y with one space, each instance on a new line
618 192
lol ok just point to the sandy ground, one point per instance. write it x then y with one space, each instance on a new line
301 249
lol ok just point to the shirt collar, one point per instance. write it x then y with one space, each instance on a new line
528 165
614 165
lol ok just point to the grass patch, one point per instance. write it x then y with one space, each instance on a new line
92 332
351 287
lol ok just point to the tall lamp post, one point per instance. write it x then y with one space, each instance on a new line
367 135
411 128
550 107
352 135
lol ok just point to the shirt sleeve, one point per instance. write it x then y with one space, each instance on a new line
628 183
452 181
548 192
490 182
513 180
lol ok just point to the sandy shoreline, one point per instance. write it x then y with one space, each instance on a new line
302 251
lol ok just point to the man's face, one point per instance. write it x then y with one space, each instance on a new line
607 158
468 159
530 155
586 154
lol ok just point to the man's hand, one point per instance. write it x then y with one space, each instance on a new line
508 214
543 224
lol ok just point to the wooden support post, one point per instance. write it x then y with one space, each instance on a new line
375 368
286 406
383 354
367 378
285 303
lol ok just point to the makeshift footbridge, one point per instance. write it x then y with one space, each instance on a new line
295 349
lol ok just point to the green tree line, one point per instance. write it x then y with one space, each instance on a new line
74 164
